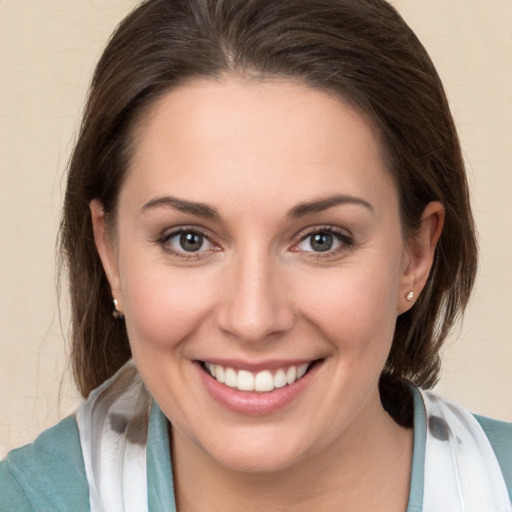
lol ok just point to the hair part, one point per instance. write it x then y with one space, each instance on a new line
363 52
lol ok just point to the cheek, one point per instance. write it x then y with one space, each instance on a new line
355 307
163 307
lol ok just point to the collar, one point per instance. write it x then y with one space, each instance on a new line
125 446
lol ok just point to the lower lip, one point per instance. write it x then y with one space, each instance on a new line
251 403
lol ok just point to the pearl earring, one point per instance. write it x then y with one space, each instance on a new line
117 313
410 296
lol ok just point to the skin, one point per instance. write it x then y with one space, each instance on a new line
258 292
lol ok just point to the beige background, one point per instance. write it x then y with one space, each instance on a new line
47 53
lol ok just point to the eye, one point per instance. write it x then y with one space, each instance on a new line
327 241
186 242
189 242
319 242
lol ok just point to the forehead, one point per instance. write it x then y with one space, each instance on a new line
250 136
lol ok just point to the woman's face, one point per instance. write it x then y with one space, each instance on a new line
258 237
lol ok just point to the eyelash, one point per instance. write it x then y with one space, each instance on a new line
345 242
164 240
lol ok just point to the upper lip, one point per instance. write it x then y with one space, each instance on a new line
255 366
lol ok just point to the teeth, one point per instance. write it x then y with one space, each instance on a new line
280 379
220 374
262 382
291 375
230 378
301 370
245 381
211 368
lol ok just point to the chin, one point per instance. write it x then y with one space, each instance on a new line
264 461
263 452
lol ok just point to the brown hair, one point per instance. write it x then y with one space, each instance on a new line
362 51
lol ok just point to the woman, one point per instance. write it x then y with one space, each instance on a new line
268 234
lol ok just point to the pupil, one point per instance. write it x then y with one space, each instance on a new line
191 242
321 242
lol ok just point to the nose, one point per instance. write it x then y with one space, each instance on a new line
255 303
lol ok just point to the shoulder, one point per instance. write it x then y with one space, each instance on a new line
48 474
499 434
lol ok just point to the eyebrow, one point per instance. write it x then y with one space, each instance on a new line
319 205
193 208
300 210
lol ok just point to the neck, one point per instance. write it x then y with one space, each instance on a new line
366 468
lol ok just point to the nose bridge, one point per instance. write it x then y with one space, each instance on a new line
255 304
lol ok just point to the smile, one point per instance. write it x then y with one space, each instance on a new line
262 382
257 389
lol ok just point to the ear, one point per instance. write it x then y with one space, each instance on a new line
106 248
420 250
